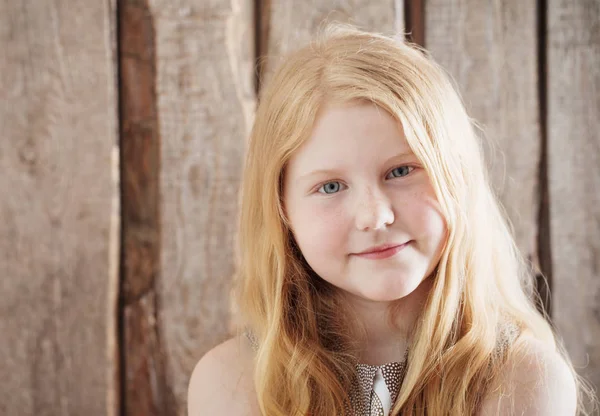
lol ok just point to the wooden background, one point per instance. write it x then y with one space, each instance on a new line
124 125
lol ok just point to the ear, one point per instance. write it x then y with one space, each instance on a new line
282 207
284 217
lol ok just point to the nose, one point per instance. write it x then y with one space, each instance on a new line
374 211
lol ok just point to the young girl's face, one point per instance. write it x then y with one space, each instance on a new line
356 184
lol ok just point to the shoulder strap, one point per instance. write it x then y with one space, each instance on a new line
508 334
251 338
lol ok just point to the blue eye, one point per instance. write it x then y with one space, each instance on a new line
330 187
334 187
401 171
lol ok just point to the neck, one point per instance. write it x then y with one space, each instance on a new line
384 341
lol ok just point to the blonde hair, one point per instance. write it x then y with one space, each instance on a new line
305 363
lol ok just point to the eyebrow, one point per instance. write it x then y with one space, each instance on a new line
335 171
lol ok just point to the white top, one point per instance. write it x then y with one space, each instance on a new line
382 392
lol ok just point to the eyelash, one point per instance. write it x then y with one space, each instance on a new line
411 168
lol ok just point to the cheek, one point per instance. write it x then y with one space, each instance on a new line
319 230
424 220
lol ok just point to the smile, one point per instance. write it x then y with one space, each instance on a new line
383 254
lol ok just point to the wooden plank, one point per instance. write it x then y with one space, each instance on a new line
146 389
288 24
573 39
489 48
205 98
414 11
59 232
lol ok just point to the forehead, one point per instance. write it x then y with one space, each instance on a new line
350 133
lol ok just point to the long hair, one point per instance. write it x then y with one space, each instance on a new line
481 287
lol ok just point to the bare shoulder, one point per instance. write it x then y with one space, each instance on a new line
535 380
221 382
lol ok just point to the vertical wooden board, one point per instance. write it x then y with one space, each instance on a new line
145 388
489 48
288 25
573 39
205 101
415 21
58 209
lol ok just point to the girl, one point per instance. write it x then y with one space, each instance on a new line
377 274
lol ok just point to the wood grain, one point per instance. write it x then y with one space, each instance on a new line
145 389
205 102
290 24
58 209
489 48
414 16
573 38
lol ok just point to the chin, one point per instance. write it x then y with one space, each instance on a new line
381 292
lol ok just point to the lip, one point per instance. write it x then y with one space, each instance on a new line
383 251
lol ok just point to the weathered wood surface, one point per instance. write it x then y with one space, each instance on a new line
414 17
286 25
58 209
574 177
489 48
146 390
205 98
